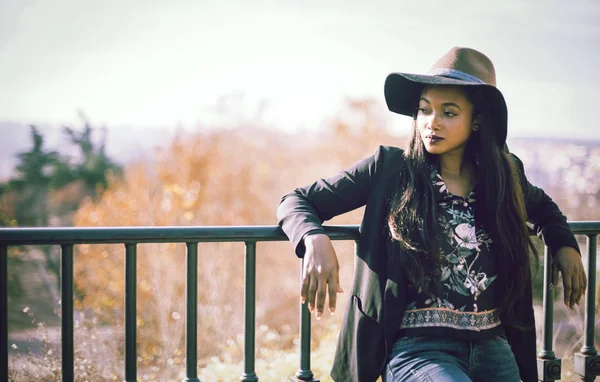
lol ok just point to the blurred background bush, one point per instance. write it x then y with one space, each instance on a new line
233 176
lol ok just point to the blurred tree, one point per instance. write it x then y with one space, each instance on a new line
33 176
24 200
30 188
62 175
94 164
46 185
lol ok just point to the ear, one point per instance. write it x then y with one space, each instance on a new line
477 122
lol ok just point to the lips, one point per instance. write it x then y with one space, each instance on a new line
433 138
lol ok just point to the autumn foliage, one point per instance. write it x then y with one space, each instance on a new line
221 177
225 177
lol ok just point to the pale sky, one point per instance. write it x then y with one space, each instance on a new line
163 63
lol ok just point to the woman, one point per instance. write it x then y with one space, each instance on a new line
442 284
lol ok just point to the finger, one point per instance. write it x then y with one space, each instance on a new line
304 288
554 276
333 287
583 286
568 288
321 295
575 290
312 289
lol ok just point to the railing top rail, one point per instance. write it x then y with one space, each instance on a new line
589 227
119 235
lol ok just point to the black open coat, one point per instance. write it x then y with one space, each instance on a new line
376 301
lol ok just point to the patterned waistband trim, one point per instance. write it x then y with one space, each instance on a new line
443 317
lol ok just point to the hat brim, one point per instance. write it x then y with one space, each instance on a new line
403 90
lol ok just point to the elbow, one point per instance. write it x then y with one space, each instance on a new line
283 208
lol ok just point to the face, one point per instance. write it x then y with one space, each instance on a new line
445 119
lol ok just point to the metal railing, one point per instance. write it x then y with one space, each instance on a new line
587 361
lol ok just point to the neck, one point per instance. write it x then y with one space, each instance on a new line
454 165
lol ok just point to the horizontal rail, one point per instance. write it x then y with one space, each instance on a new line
585 227
184 234
121 235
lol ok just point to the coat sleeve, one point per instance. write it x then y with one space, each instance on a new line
548 221
303 211
523 342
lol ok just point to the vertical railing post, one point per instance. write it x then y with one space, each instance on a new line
549 367
130 312
249 313
587 362
66 301
304 373
588 346
4 312
191 321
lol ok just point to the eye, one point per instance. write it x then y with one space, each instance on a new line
449 114
421 110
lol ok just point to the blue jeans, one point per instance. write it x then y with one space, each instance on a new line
431 359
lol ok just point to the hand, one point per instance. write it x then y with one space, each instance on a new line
568 261
321 274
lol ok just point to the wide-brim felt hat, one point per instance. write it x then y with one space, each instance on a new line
459 67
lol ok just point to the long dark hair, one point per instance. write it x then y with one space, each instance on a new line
412 219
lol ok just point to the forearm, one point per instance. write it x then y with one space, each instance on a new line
549 221
298 218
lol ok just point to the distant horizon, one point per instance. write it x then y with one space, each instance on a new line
133 143
392 121
402 131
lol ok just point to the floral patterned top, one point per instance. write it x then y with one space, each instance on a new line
460 301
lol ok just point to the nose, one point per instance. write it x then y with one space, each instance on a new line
432 122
